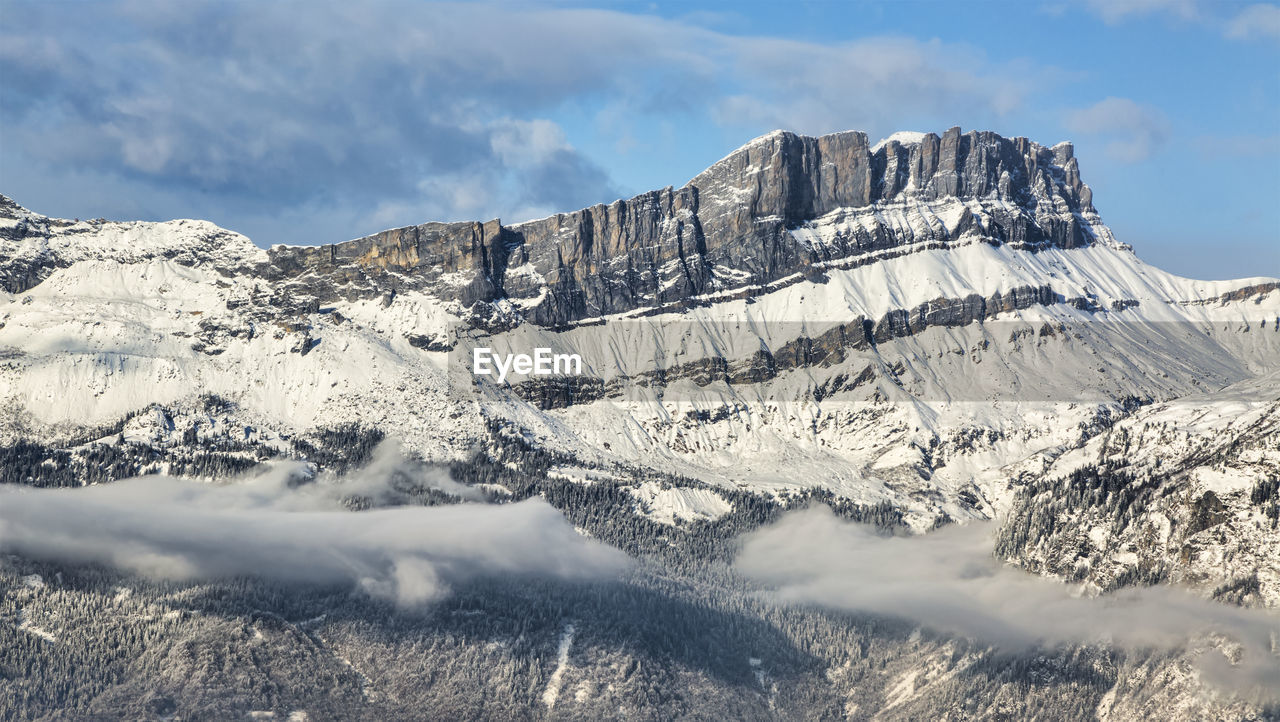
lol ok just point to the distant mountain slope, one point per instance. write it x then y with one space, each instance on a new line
902 323
925 330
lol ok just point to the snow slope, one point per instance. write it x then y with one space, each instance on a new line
937 342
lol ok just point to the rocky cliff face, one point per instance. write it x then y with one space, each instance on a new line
750 219
33 246
782 206
808 313
926 330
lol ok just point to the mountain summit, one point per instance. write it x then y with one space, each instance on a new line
930 329
796 270
781 205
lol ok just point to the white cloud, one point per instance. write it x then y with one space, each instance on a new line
1114 11
948 581
1259 21
306 123
525 143
1134 131
871 84
268 526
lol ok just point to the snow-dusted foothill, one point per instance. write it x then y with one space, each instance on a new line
929 330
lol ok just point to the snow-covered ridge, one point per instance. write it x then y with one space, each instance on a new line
123 332
904 137
675 504
756 222
113 317
32 244
769 137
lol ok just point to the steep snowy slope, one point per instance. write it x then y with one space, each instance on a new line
1185 491
847 405
902 323
933 328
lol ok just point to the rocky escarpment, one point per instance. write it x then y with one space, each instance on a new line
781 207
33 246
778 206
829 348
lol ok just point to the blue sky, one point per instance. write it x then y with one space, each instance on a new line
317 122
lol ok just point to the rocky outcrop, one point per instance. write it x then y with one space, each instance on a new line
1256 291
33 246
462 261
729 227
827 349
741 224
782 208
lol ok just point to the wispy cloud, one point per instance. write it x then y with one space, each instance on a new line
870 84
1134 131
1114 11
1260 21
948 580
285 105
270 526
318 121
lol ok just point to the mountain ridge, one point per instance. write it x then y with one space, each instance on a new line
732 224
780 205
919 360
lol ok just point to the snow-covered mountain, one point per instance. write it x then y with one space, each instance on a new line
917 331
904 322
